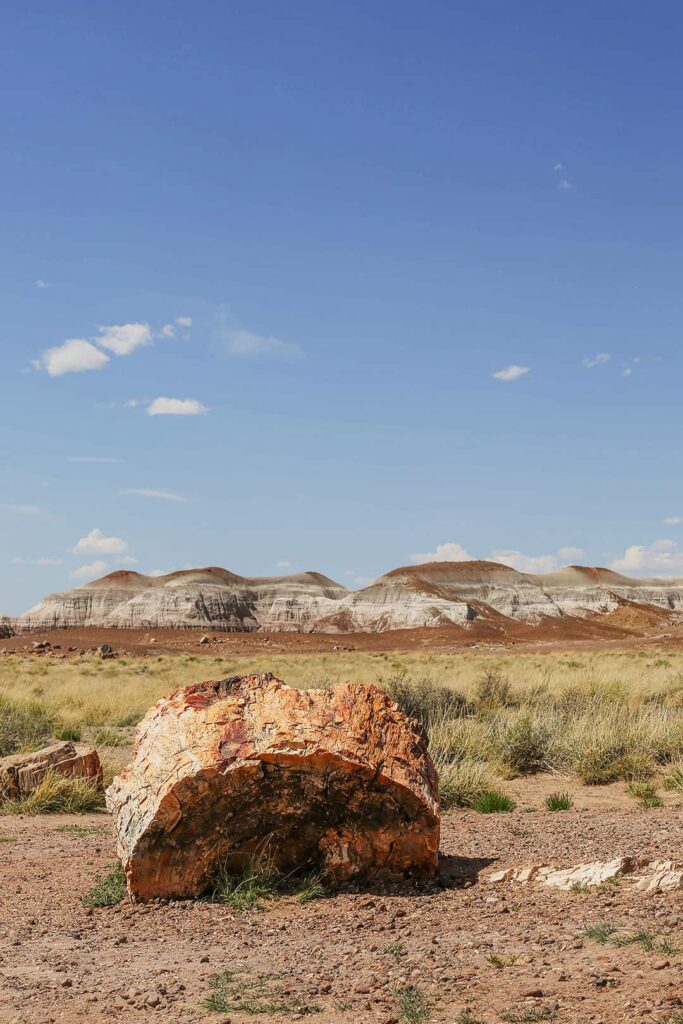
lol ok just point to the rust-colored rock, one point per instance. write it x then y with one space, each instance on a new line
340 780
20 774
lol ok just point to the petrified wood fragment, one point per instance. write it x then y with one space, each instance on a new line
20 774
339 780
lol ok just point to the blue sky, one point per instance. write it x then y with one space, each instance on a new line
348 284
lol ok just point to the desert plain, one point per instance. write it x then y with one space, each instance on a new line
551 752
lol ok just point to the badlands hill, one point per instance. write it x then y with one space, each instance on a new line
433 594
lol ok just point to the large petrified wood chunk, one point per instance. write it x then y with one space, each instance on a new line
337 779
20 774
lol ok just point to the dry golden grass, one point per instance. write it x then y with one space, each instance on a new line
599 716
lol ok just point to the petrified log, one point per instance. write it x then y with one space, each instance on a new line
339 780
20 774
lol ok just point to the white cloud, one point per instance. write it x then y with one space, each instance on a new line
96 543
36 561
146 492
564 184
90 571
673 520
598 360
627 371
284 564
176 407
24 510
170 330
43 284
91 458
525 563
74 356
449 552
558 167
454 552
127 560
246 343
124 338
511 372
663 558
573 554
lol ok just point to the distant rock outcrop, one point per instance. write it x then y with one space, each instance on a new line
6 627
338 781
433 594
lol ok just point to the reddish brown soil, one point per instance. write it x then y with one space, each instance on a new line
62 963
629 626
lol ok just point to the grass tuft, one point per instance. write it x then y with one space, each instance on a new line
494 802
413 1005
58 794
260 881
234 993
108 890
559 802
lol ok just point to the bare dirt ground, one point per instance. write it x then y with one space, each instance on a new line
624 629
495 952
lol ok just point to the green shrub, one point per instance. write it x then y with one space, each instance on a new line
424 700
522 746
559 802
492 689
494 802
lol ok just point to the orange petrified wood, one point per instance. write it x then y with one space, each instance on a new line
340 780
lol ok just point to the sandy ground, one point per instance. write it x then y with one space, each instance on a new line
60 962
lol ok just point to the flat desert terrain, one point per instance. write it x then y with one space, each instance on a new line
602 728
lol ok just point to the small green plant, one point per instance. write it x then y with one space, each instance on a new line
467 1018
578 887
108 889
8 839
501 962
413 1006
259 880
494 802
559 802
601 933
233 993
58 794
646 794
109 738
82 831
396 949
68 733
529 1015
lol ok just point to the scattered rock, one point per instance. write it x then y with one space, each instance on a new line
338 778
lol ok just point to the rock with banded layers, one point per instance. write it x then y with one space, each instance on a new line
20 774
337 780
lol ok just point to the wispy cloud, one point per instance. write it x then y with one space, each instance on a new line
171 330
597 360
673 520
89 571
74 356
283 564
92 458
176 407
248 344
512 372
24 510
146 492
36 561
564 184
96 543
43 284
